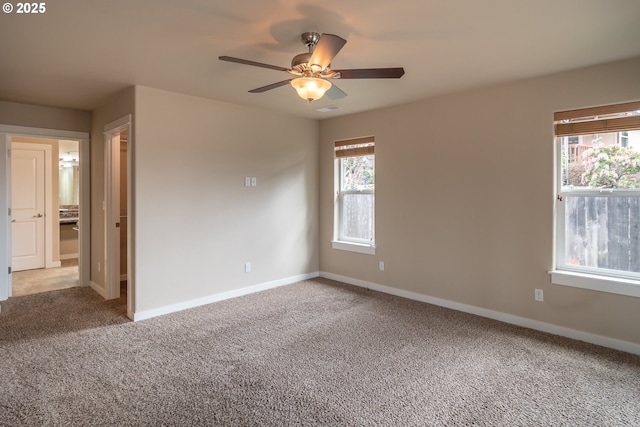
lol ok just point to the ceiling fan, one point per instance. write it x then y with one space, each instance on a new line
312 70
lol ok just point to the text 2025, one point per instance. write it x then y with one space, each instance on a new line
31 7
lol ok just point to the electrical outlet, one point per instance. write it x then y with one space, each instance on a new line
247 267
539 295
381 265
254 181
247 181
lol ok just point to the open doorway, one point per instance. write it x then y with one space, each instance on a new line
118 265
45 201
117 207
7 134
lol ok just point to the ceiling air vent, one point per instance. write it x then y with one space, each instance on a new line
328 108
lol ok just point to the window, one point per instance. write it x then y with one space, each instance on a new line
355 195
623 138
598 198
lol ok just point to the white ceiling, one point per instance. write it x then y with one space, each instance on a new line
80 52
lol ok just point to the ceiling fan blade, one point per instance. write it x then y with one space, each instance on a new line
269 87
335 92
372 73
327 48
254 63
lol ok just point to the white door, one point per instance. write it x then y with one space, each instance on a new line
27 209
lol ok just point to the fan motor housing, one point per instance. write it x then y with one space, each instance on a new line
300 62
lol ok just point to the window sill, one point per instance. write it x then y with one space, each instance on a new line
593 282
353 247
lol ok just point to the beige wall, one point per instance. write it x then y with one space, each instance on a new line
194 221
119 106
465 198
16 114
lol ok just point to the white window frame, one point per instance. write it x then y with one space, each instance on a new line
623 140
340 241
563 273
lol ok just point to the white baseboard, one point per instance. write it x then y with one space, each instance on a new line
147 314
53 264
99 289
68 256
616 344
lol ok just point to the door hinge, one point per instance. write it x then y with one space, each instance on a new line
9 211
8 152
9 270
560 198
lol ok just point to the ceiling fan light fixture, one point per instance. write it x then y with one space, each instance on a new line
311 88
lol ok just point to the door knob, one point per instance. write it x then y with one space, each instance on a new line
38 216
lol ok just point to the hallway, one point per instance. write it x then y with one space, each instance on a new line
29 282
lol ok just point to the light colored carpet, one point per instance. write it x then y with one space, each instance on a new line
313 353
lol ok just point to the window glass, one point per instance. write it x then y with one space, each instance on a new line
357 199
608 161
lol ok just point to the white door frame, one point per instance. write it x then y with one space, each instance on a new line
112 211
48 198
7 132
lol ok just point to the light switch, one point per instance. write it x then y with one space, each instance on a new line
254 181
247 181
